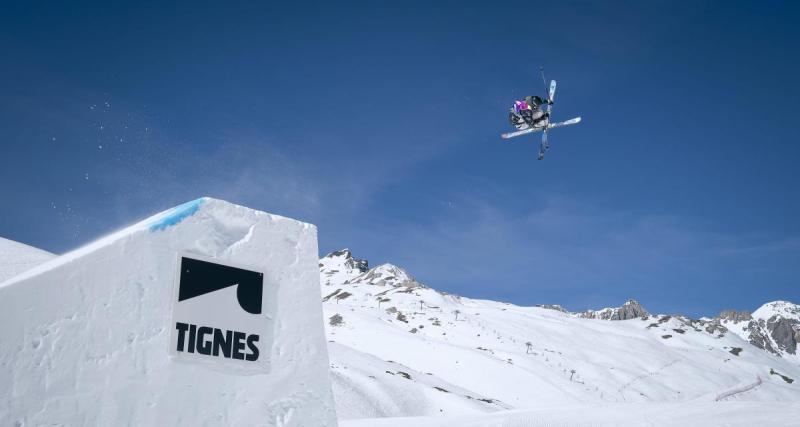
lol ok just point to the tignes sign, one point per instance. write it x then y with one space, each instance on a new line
219 313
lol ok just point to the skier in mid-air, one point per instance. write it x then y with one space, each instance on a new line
528 113
529 116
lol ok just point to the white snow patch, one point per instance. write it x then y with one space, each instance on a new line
16 258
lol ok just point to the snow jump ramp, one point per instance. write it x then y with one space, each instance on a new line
206 314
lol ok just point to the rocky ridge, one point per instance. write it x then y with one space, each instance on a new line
774 327
630 310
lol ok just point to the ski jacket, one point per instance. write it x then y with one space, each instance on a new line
535 101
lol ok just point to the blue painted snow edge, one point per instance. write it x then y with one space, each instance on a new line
177 214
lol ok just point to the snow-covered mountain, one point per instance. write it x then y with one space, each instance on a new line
16 258
774 327
341 267
399 348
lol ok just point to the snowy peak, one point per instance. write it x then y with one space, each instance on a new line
774 327
387 275
630 310
783 309
340 267
345 258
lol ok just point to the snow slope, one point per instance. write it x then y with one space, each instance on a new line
85 337
16 257
466 356
662 414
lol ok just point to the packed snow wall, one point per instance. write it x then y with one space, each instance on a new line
206 314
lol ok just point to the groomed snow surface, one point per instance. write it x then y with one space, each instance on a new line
682 414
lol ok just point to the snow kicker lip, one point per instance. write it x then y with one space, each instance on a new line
177 214
202 277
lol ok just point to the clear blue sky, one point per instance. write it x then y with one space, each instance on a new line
379 122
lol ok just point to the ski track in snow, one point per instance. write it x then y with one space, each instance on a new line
643 376
739 390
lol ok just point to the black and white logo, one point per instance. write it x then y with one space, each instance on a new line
218 311
202 277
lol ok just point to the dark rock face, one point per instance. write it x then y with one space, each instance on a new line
735 316
783 333
356 264
759 338
784 377
388 275
775 328
630 310
555 307
714 326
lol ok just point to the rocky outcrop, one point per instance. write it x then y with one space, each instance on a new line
340 266
555 307
387 275
713 326
774 327
759 338
630 310
735 316
349 261
784 333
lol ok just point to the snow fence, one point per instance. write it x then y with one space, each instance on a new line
206 314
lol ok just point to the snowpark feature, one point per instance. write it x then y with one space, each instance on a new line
86 338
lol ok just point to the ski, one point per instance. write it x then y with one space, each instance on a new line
564 123
544 146
510 135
